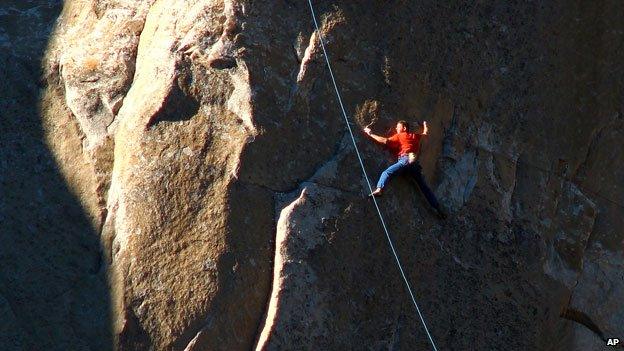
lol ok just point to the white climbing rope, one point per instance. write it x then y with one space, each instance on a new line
357 151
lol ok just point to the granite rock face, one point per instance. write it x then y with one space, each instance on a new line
177 175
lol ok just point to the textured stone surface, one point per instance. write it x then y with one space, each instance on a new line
177 176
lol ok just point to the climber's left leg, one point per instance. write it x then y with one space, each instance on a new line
416 171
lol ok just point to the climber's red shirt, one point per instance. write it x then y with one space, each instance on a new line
404 143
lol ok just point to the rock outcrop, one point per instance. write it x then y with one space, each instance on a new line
177 175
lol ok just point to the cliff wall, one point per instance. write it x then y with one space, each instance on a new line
177 175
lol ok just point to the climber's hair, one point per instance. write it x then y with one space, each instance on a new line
404 124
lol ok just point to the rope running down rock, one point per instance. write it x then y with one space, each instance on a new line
383 224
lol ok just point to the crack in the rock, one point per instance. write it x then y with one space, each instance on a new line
299 185
296 55
582 319
596 135
394 343
105 213
134 67
555 174
334 188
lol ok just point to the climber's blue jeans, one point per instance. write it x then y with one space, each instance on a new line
415 170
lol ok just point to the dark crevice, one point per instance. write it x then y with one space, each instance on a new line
583 319
263 318
296 55
177 106
133 335
223 62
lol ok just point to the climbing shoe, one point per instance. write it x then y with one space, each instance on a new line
377 192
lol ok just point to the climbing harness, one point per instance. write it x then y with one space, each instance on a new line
383 224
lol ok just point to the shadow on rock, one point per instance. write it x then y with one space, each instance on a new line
53 288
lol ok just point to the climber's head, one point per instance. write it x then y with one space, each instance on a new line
402 126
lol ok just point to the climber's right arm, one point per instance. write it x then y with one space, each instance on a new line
377 138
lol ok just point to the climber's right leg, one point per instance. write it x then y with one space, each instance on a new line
389 173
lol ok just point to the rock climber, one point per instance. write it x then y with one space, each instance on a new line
408 146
